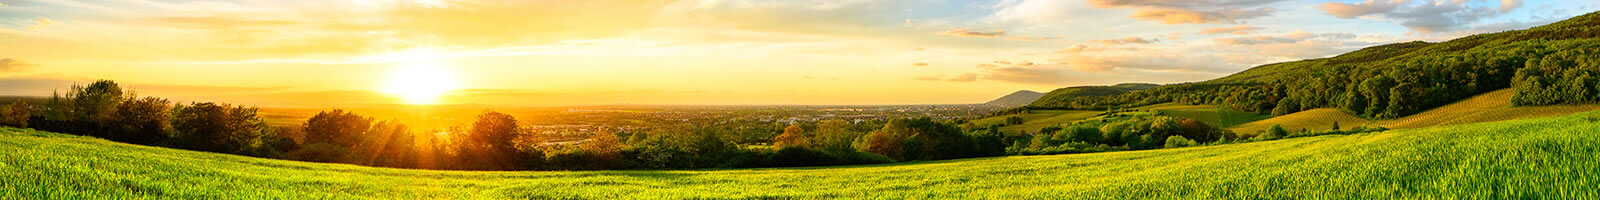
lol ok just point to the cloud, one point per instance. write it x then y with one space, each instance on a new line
1079 48
1239 30
1126 40
967 33
997 34
1421 16
1037 75
1002 62
1298 44
13 65
1193 11
920 64
1292 37
41 23
966 77
1509 5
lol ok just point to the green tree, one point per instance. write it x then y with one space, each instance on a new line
218 127
145 120
1273 133
337 127
15 114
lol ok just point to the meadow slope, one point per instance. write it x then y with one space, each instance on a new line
1544 158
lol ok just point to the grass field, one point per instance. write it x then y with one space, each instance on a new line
1545 158
1213 115
1315 120
1035 120
1487 107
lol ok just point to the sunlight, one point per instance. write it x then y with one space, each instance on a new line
420 81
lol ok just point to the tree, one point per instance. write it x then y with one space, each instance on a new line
603 144
489 143
834 135
96 103
142 121
15 114
218 127
1335 125
1273 133
337 127
1014 120
1178 141
793 136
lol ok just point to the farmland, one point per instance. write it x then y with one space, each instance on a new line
1528 158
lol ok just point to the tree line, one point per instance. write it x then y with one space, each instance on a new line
493 141
1391 81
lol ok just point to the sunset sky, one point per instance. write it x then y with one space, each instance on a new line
591 52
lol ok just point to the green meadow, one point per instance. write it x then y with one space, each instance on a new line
1541 158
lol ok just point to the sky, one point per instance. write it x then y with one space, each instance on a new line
601 52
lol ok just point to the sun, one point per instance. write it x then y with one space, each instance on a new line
421 82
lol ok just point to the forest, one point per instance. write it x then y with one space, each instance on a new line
1547 65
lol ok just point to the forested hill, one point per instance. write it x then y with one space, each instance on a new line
1552 64
1091 91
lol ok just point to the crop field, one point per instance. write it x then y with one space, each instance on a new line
1486 107
1320 119
1542 158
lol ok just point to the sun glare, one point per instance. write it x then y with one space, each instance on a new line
420 82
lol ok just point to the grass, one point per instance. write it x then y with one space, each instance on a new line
1544 158
1061 117
1213 115
1320 119
1035 120
1486 107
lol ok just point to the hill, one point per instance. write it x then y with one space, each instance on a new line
1315 120
1091 91
1544 65
1521 159
1487 107
1019 98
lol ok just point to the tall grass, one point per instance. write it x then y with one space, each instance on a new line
1546 158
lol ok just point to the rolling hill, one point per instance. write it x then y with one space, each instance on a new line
1488 107
1548 65
1091 91
1019 98
1544 158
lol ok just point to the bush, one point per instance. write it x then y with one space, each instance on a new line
1178 141
320 152
1273 133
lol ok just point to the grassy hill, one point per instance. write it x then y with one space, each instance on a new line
1314 119
1212 115
1035 120
1487 107
1545 158
1088 91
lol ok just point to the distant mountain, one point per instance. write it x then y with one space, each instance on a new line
1019 98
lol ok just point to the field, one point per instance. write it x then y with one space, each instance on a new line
1315 120
1543 158
1036 120
1215 116
1487 107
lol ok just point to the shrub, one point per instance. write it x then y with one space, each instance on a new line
1178 141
